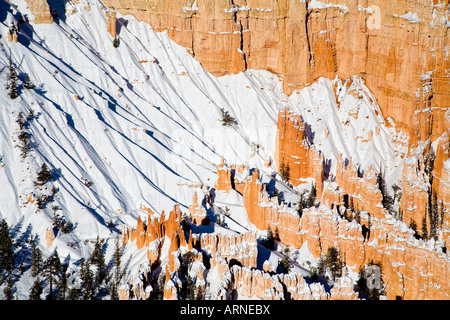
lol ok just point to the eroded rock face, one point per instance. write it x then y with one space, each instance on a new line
197 212
295 152
242 249
393 46
40 10
400 48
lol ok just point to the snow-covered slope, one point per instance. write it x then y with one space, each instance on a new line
135 125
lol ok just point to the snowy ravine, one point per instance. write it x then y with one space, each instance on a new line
136 125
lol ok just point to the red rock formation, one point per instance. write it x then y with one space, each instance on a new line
375 41
49 237
224 177
294 151
242 247
112 23
197 212
40 10
411 269
263 211
363 191
170 290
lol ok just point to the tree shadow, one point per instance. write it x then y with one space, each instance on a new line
121 22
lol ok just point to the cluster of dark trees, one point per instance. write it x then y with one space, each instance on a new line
94 280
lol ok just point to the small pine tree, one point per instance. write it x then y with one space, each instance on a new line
227 119
269 242
51 271
424 228
28 84
300 207
284 265
434 216
44 174
6 248
98 259
200 293
334 262
285 171
8 290
161 283
36 290
74 294
87 281
12 80
36 260
312 197
116 42
62 283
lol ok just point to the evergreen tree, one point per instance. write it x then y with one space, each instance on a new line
28 84
442 213
424 228
98 259
114 291
74 294
387 201
312 197
269 242
434 216
284 265
6 248
188 288
12 80
44 174
285 171
413 227
36 290
62 283
334 262
227 119
116 42
199 293
36 260
87 281
300 207
8 290
161 283
51 271
352 207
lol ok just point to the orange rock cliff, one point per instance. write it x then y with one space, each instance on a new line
399 48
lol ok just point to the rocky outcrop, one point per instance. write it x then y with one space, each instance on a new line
241 249
411 268
224 177
111 25
49 237
256 284
264 211
40 10
197 212
294 151
393 46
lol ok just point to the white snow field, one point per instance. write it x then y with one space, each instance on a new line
138 124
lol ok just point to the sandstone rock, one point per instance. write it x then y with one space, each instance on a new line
224 177
374 41
49 237
112 23
293 150
40 10
197 212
